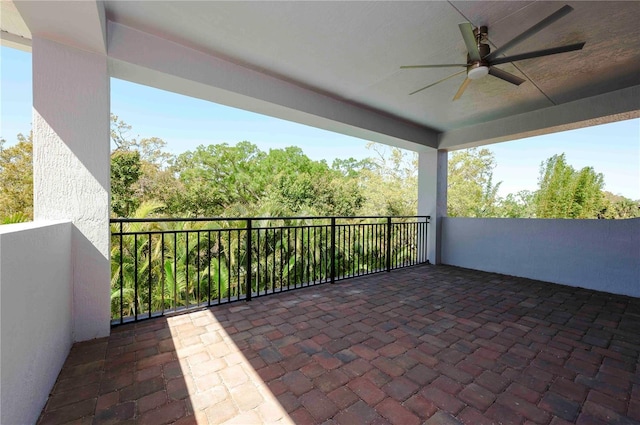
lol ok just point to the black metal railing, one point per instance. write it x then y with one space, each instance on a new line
167 265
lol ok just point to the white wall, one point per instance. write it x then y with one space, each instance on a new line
432 197
594 254
35 315
71 178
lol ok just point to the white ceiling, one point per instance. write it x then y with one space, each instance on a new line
352 51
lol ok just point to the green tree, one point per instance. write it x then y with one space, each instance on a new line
16 180
389 181
215 177
471 191
125 172
151 149
304 186
517 205
566 193
351 167
619 207
140 170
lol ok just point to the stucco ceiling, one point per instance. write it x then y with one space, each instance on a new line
351 52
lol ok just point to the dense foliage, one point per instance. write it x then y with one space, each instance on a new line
471 191
16 181
563 192
242 180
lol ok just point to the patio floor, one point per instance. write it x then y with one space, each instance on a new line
427 344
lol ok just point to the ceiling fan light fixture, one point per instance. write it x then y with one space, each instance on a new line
478 72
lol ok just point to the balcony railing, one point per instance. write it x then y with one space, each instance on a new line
167 265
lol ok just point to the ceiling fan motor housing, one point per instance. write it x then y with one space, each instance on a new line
478 69
484 51
480 34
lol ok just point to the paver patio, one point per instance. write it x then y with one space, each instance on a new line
427 344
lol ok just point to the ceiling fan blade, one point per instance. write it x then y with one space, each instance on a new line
466 29
504 75
539 53
444 65
462 88
438 82
564 10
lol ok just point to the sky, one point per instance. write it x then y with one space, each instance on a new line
184 123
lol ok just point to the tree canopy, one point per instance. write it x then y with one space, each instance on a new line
567 193
471 191
242 180
16 180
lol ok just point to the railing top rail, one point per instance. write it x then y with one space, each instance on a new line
172 219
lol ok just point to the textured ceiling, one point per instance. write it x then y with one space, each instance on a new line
353 50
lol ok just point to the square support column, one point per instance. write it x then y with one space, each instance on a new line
432 196
71 177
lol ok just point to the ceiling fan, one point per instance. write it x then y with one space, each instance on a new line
481 60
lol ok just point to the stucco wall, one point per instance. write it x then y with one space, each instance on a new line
594 254
71 177
35 315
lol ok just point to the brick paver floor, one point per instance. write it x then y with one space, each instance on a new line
428 344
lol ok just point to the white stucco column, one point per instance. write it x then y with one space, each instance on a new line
432 196
71 174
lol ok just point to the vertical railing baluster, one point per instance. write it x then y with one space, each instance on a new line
301 279
135 277
418 229
121 276
273 262
426 239
209 268
405 242
162 272
238 278
186 271
149 275
248 256
219 265
175 270
306 253
258 262
326 252
198 269
344 251
268 248
295 257
309 257
229 266
379 241
421 246
315 241
357 248
366 243
388 244
419 242
302 259
348 246
288 257
333 249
